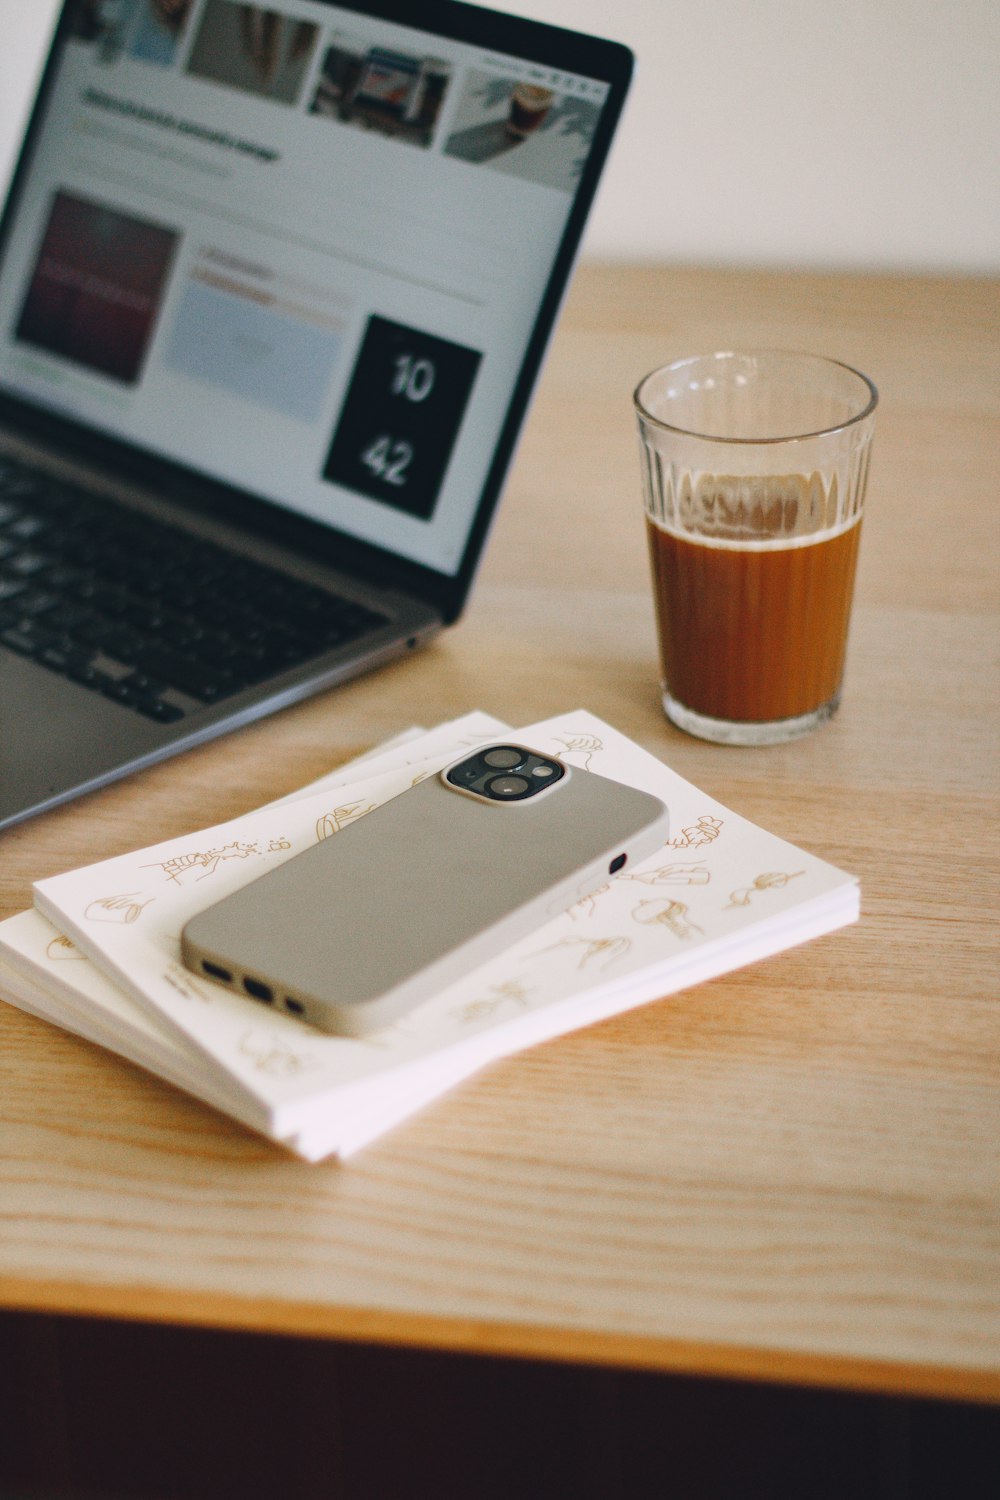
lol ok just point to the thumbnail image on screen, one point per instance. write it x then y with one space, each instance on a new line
253 49
397 94
96 286
521 128
149 30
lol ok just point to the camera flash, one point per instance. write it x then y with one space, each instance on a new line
542 771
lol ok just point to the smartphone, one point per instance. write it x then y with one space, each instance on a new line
354 932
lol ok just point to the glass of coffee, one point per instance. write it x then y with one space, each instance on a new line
754 469
529 106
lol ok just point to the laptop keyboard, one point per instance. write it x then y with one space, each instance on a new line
156 619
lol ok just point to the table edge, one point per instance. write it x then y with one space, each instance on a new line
137 1302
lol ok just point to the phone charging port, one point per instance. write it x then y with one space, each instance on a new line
216 971
259 990
618 863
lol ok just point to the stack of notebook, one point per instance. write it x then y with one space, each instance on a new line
99 955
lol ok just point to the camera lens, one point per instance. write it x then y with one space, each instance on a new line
503 758
508 786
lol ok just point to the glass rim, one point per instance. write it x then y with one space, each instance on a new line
791 437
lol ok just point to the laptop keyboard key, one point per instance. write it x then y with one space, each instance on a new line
27 564
37 602
158 709
19 641
62 658
205 683
87 675
27 527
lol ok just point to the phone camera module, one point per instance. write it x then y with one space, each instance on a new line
505 773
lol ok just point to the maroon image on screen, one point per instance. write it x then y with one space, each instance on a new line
96 287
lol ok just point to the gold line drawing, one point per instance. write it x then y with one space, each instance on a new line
338 818
62 948
704 831
207 861
587 905
769 882
272 1056
670 914
585 745
127 908
602 952
671 875
512 992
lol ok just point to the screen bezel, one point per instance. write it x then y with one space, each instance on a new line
605 61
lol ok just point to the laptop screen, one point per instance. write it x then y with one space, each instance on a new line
300 249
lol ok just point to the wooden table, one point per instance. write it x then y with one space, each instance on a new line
788 1174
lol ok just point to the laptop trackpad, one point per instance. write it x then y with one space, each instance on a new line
56 737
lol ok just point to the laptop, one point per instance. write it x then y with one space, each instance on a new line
275 286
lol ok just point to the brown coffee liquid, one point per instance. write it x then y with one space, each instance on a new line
528 107
753 634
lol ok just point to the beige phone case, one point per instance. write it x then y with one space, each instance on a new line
380 916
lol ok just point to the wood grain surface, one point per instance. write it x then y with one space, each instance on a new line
791 1173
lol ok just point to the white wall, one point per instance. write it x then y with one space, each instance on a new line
789 132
